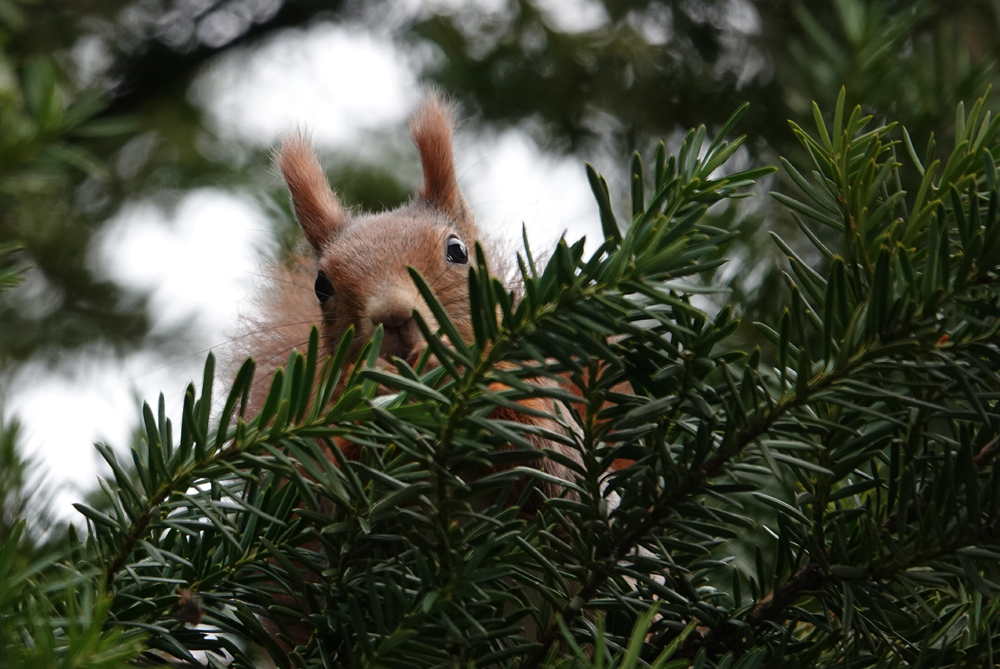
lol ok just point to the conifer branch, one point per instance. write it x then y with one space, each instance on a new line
812 576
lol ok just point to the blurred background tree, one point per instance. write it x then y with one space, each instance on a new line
84 81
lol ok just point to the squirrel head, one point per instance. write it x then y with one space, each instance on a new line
361 260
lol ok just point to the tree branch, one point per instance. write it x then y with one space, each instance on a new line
724 638
691 483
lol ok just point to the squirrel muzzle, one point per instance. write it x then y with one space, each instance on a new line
401 337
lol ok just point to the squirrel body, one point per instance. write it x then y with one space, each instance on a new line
359 270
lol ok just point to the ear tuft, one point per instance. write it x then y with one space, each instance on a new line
431 129
316 206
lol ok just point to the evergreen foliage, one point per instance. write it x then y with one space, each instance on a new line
55 184
830 500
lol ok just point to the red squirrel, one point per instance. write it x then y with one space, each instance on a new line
360 275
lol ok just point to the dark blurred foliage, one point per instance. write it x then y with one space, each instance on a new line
95 109
657 66
48 166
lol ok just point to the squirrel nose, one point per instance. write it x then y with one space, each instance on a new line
400 341
400 336
393 318
393 309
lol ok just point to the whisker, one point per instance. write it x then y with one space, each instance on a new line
285 351
353 302
279 279
220 344
247 334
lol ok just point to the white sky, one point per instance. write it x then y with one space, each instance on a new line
296 79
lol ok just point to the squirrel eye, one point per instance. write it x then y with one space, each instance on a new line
324 289
457 253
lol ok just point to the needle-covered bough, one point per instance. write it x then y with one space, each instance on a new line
827 498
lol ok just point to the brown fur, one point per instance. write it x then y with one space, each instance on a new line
431 128
285 311
366 257
316 207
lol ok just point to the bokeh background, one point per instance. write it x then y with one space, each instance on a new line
134 141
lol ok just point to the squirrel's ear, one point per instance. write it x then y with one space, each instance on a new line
431 129
316 206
